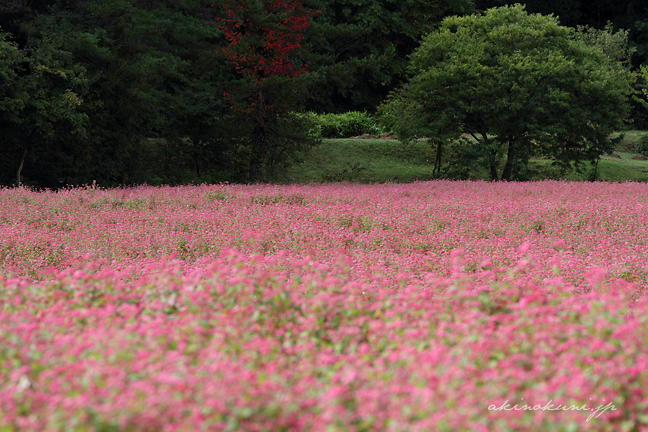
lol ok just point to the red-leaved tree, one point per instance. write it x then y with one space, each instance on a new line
264 42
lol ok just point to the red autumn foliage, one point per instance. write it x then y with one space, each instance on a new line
262 40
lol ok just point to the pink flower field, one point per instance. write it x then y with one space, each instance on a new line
432 306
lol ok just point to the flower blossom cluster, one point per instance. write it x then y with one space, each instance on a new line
431 306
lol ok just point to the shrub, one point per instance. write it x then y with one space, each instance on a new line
352 172
642 146
345 125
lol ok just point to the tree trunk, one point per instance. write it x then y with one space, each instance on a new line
510 160
256 159
490 155
492 160
437 161
254 172
493 167
259 137
594 173
195 158
22 162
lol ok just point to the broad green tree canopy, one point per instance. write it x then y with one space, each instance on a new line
520 85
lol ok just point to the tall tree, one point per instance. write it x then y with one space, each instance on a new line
152 73
520 85
357 49
38 106
264 47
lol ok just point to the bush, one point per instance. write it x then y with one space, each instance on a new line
352 172
642 146
345 125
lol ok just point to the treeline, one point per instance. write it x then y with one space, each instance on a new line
176 91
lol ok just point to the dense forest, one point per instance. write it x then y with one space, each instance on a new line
125 92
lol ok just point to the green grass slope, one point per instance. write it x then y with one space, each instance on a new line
364 160
380 160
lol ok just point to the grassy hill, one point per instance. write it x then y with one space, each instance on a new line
382 160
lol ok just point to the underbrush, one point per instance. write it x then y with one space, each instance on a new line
344 125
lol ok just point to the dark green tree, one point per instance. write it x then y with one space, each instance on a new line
357 49
572 13
519 85
154 88
39 105
158 95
